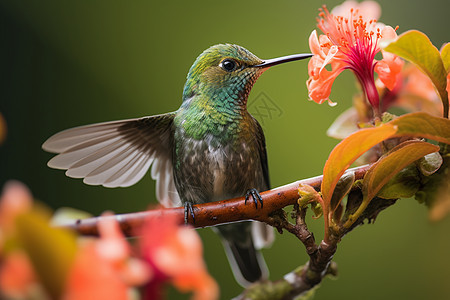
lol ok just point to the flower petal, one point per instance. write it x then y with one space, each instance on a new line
367 9
176 254
388 35
16 275
15 199
330 56
314 44
390 66
112 244
320 87
94 277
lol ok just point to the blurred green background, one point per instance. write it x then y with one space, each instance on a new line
69 63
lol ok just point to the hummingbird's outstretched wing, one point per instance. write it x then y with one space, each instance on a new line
119 153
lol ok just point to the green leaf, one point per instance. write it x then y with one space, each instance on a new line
445 55
51 250
415 46
392 163
404 184
346 152
421 124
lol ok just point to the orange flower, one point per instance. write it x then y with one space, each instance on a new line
15 200
350 41
175 254
103 268
17 277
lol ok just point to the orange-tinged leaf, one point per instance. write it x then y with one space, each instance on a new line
392 163
421 124
51 250
346 152
416 47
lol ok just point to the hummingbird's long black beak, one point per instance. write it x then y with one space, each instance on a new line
279 60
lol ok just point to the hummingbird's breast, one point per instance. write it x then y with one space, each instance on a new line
221 163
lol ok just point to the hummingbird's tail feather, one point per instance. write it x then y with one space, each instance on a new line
246 262
263 235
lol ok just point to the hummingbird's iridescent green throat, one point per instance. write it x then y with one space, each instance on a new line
210 149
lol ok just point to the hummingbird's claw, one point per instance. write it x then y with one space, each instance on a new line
188 209
255 195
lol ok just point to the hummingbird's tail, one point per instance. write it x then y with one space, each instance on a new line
246 262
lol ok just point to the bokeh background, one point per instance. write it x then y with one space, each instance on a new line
69 63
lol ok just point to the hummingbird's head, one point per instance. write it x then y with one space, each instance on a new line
226 71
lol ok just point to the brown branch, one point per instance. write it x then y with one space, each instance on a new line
304 278
215 213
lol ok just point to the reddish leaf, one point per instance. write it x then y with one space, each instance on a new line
346 152
421 124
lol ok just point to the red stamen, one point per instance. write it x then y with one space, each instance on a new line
357 45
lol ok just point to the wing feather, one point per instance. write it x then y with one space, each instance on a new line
69 138
118 153
122 177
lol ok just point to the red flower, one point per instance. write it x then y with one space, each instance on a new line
175 254
350 41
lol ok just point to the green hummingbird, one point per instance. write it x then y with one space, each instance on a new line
210 149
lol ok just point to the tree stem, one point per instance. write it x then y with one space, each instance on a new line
214 213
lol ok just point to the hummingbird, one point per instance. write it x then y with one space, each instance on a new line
210 149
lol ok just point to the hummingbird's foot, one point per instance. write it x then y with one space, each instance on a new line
188 209
255 195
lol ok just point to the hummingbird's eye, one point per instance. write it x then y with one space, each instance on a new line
228 65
